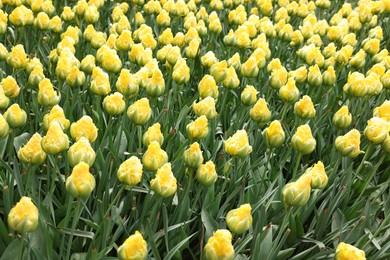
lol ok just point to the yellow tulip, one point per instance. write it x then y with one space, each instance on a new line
130 171
81 182
164 183
24 216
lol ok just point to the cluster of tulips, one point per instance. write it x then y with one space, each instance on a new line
158 50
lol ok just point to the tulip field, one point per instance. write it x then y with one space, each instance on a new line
194 129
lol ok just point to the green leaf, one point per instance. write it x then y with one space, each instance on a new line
210 224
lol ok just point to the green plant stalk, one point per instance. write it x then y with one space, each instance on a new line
297 163
74 224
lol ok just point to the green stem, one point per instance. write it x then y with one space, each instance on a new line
298 160
115 199
66 221
284 111
74 223
21 247
369 149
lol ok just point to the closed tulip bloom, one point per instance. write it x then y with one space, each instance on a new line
134 248
249 95
371 46
17 58
127 84
81 151
24 216
15 116
55 141
155 86
18 16
130 171
100 84
75 77
114 104
67 14
359 59
124 42
349 144
235 61
208 59
84 127
342 118
4 100
32 151
153 134
56 114
47 96
297 193
238 144
193 157
219 71
231 81
299 75
289 92
164 183
356 86
219 246
274 135
206 174
346 252
42 21
88 64
260 112
181 72
383 111
303 140
377 130
278 78
319 179
140 112
304 108
207 87
198 129
81 182
239 220
205 107
36 76
10 87
314 77
249 68
329 76
154 157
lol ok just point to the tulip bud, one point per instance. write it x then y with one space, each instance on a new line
314 77
342 118
248 95
114 104
23 217
289 92
207 87
260 112
193 157
377 130
208 59
10 87
299 75
206 174
67 14
88 64
239 220
81 151
346 251
303 140
249 69
100 83
134 247
356 85
4 100
55 141
274 135
127 84
17 58
139 112
181 72
238 144
220 246
219 71
81 182
235 61
56 114
3 52
153 134
46 94
231 81
297 193
278 78
75 77
42 21
84 127
304 108
198 129
349 144
371 46
319 179
205 107
154 157
383 111
15 116
163 19
91 14
32 151
130 171
164 184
